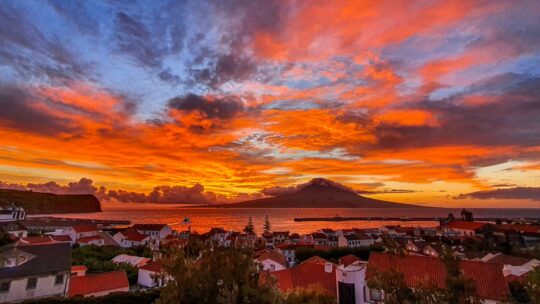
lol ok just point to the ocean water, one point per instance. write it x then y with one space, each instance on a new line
202 219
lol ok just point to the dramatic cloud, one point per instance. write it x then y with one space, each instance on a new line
527 193
159 195
210 108
404 99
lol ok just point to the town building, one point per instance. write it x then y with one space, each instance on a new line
272 261
490 284
135 261
151 275
12 213
34 271
159 231
463 228
355 240
350 279
313 271
14 228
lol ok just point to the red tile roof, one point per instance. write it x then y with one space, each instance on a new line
465 225
133 235
88 239
509 260
99 282
348 260
154 266
489 279
62 238
311 272
274 256
84 228
32 240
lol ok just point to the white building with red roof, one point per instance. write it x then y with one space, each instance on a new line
488 278
463 228
159 231
152 275
82 234
131 238
272 261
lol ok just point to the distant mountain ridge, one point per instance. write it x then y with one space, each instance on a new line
46 203
319 193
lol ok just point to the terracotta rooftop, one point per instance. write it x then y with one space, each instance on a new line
311 272
274 256
84 228
465 225
88 239
133 235
489 279
509 260
348 260
99 282
154 266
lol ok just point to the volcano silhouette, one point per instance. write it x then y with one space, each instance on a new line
319 193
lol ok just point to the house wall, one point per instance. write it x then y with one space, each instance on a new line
45 287
353 275
268 263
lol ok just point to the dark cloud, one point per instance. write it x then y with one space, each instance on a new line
221 108
161 194
526 193
134 39
385 191
32 55
17 112
509 118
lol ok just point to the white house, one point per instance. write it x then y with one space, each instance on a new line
12 213
160 231
79 231
135 261
14 228
152 275
272 261
350 281
355 240
131 238
34 271
463 228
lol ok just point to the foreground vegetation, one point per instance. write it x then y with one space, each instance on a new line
98 259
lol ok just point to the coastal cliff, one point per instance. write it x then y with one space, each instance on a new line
46 203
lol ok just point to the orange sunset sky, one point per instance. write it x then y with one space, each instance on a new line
430 102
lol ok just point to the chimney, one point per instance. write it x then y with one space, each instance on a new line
328 267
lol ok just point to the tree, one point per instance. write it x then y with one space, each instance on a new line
221 275
533 284
313 294
458 288
267 227
250 229
392 283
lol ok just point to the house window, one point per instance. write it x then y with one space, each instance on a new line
59 279
4 287
31 283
